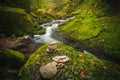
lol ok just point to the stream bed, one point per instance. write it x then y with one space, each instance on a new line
52 35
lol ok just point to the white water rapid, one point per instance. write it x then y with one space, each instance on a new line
51 34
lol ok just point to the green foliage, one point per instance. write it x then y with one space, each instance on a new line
95 68
58 7
15 21
11 58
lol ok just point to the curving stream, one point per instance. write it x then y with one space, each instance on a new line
52 35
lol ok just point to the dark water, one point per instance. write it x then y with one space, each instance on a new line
52 35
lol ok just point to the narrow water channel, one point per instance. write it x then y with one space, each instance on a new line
52 35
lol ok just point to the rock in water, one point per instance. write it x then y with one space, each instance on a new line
61 59
52 47
49 70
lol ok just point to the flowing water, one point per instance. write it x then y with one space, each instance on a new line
52 35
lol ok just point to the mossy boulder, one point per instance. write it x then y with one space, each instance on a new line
10 62
97 26
15 21
10 58
79 66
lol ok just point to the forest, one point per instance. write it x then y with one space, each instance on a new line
59 40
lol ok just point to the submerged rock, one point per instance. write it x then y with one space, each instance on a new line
49 71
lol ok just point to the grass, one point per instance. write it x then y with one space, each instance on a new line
95 68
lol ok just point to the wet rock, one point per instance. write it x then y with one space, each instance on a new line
49 70
61 59
52 47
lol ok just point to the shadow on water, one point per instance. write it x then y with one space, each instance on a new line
52 35
78 46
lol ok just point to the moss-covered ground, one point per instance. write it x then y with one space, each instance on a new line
10 62
96 32
97 26
79 65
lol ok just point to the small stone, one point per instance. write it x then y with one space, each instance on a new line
60 65
49 70
61 59
52 47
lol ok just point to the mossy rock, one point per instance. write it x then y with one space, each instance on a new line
38 29
15 21
79 64
102 33
10 58
97 26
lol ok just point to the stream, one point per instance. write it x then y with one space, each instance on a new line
52 35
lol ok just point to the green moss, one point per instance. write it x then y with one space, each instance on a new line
11 58
96 68
15 21
82 29
108 40
96 32
96 25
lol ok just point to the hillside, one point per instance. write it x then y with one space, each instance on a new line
97 26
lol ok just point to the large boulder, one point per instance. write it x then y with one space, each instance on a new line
10 58
15 21
80 66
10 62
49 70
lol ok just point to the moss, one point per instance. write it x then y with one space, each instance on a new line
38 29
15 21
11 58
42 17
96 32
96 25
10 62
96 68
